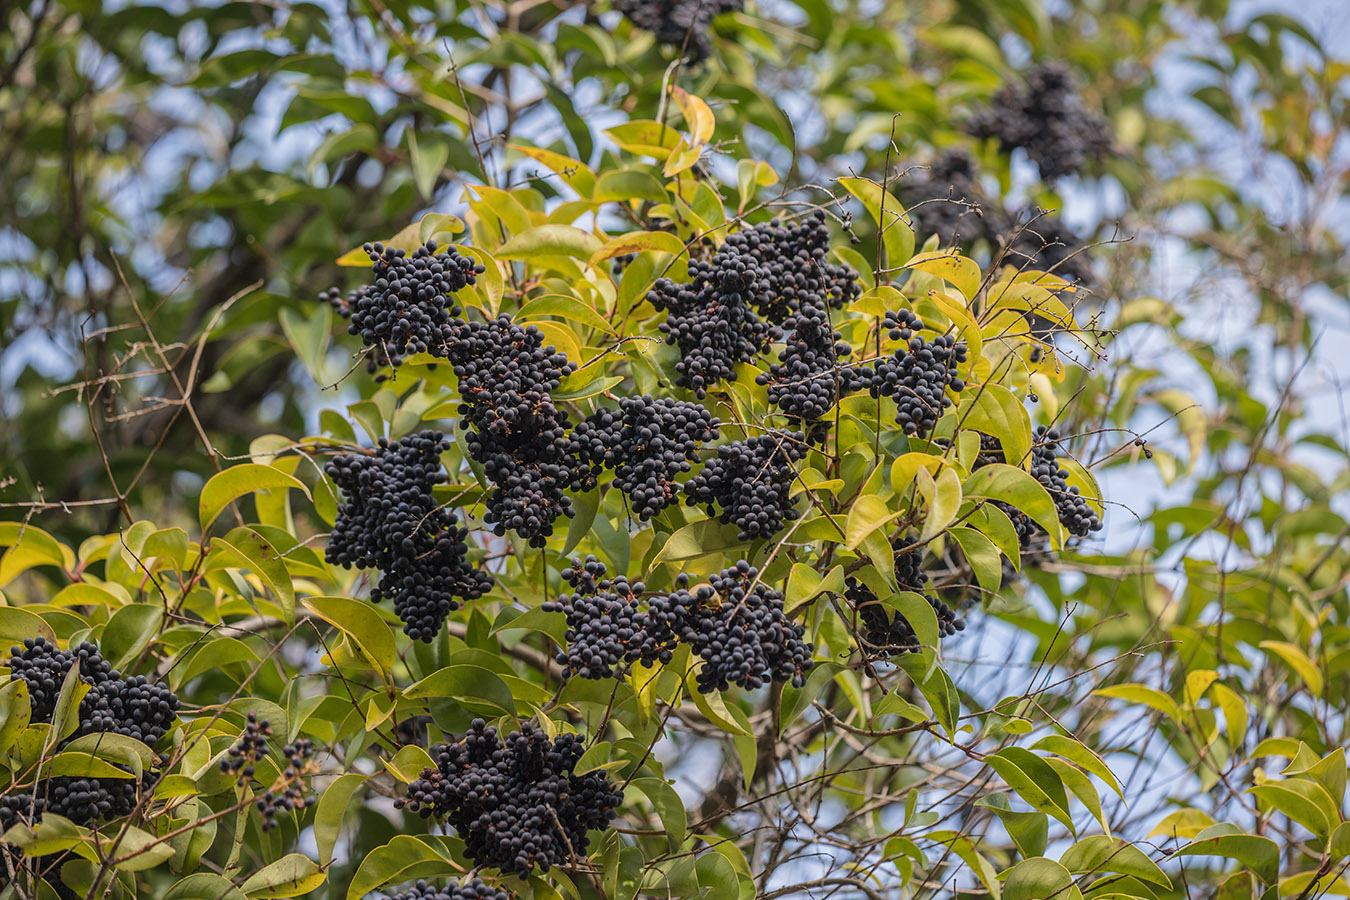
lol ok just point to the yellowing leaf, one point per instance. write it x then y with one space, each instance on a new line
637 242
682 159
1298 661
550 240
1140 693
236 481
698 117
362 625
896 236
953 268
868 514
945 503
577 175
291 876
645 137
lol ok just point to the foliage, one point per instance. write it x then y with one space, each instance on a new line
742 526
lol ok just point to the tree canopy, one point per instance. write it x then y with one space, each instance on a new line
674 449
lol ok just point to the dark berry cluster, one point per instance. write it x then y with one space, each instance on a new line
1047 120
252 746
82 800
517 804
477 889
910 577
44 668
763 274
750 481
711 321
391 521
737 626
1075 514
648 442
506 375
880 635
734 624
808 380
407 307
289 792
792 271
918 374
607 626
132 707
888 635
945 199
682 24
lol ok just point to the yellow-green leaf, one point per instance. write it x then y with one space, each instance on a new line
231 484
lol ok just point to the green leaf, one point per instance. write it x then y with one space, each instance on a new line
632 184
66 714
697 540
16 711
213 655
1303 800
408 763
1012 485
203 886
897 237
999 414
1259 854
1339 845
959 271
550 240
918 612
1077 752
231 484
1029 830
363 627
945 503
1143 694
18 624
645 137
984 558
474 687
83 765
668 807
310 337
1100 853
29 546
428 158
332 811
1040 879
52 835
129 632
638 242
391 862
729 719
564 308
1298 661
136 850
290 876
1234 712
937 687
576 174
1081 787
1034 780
868 514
